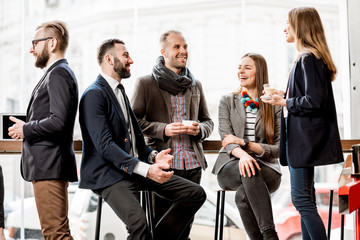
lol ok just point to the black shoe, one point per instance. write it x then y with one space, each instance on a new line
270 234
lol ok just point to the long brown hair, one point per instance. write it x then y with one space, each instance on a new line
266 110
308 30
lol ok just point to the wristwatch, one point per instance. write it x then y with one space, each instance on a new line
246 143
152 155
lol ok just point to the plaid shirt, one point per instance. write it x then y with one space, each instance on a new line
184 155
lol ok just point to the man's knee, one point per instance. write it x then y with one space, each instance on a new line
202 194
196 195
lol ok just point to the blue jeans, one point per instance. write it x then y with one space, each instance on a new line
304 200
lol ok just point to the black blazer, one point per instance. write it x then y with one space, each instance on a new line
47 150
312 129
106 144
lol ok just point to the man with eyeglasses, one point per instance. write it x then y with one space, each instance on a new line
48 158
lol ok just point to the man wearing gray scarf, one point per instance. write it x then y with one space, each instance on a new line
162 101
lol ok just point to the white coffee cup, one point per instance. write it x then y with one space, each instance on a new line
187 122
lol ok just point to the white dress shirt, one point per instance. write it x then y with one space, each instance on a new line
141 168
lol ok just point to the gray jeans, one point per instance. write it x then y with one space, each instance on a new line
252 196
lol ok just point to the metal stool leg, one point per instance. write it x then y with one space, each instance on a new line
330 213
342 227
219 218
98 219
222 215
146 203
142 200
149 212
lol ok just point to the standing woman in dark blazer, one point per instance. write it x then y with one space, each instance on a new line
309 130
248 161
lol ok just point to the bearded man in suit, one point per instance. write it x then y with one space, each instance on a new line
48 158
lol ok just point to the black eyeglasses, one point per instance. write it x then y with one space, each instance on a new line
36 41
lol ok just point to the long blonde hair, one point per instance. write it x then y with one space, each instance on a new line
309 33
266 110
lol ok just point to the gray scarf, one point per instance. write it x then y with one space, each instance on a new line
169 81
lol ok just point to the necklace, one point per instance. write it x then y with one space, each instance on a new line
250 105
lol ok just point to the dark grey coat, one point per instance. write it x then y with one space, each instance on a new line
47 150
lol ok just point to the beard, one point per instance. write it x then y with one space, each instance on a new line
174 63
119 68
42 58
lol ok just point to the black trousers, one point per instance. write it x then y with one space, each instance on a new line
161 205
252 196
186 197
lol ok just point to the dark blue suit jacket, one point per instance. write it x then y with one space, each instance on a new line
312 129
106 144
47 150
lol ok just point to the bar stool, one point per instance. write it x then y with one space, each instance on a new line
219 219
146 203
330 213
98 218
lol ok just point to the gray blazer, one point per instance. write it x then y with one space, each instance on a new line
152 107
232 121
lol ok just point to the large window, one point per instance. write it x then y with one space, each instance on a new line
218 32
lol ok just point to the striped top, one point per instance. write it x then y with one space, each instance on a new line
181 148
249 133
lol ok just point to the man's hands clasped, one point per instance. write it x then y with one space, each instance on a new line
157 171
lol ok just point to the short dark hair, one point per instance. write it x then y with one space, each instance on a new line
105 47
165 35
58 30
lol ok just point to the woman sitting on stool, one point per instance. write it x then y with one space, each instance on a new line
248 160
